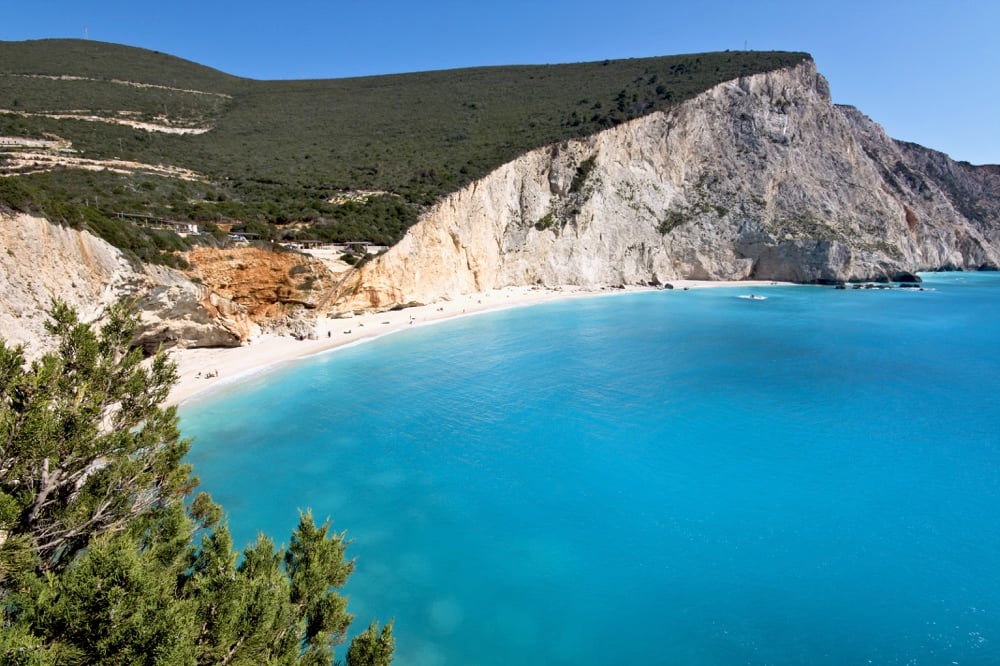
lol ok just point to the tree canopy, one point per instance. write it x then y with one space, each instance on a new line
106 554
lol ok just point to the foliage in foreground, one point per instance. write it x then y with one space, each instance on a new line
102 560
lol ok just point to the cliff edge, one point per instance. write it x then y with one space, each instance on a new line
40 261
761 177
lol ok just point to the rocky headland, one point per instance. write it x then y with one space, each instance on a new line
757 178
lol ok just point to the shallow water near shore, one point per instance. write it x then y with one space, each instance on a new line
658 477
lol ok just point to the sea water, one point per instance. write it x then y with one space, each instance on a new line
668 477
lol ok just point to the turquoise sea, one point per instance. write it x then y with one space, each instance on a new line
665 477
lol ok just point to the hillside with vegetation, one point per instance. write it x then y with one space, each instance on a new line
91 131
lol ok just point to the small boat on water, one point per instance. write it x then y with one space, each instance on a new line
754 297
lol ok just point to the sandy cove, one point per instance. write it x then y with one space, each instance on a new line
204 369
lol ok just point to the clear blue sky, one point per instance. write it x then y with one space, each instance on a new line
925 70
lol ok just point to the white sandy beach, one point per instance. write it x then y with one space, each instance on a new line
204 369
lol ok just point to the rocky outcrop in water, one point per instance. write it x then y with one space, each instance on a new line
757 178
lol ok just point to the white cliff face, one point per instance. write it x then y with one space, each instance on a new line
757 178
40 261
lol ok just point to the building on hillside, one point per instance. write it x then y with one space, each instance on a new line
161 223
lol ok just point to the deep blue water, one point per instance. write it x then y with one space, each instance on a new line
671 477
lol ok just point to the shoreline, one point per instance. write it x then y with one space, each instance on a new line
205 369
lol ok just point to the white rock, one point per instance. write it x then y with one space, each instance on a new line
759 178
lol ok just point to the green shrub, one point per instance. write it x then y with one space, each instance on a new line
545 222
582 173
671 220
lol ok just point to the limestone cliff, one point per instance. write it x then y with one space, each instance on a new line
40 260
757 178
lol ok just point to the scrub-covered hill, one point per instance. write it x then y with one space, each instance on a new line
94 130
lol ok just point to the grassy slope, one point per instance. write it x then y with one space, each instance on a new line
280 149
392 132
100 60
